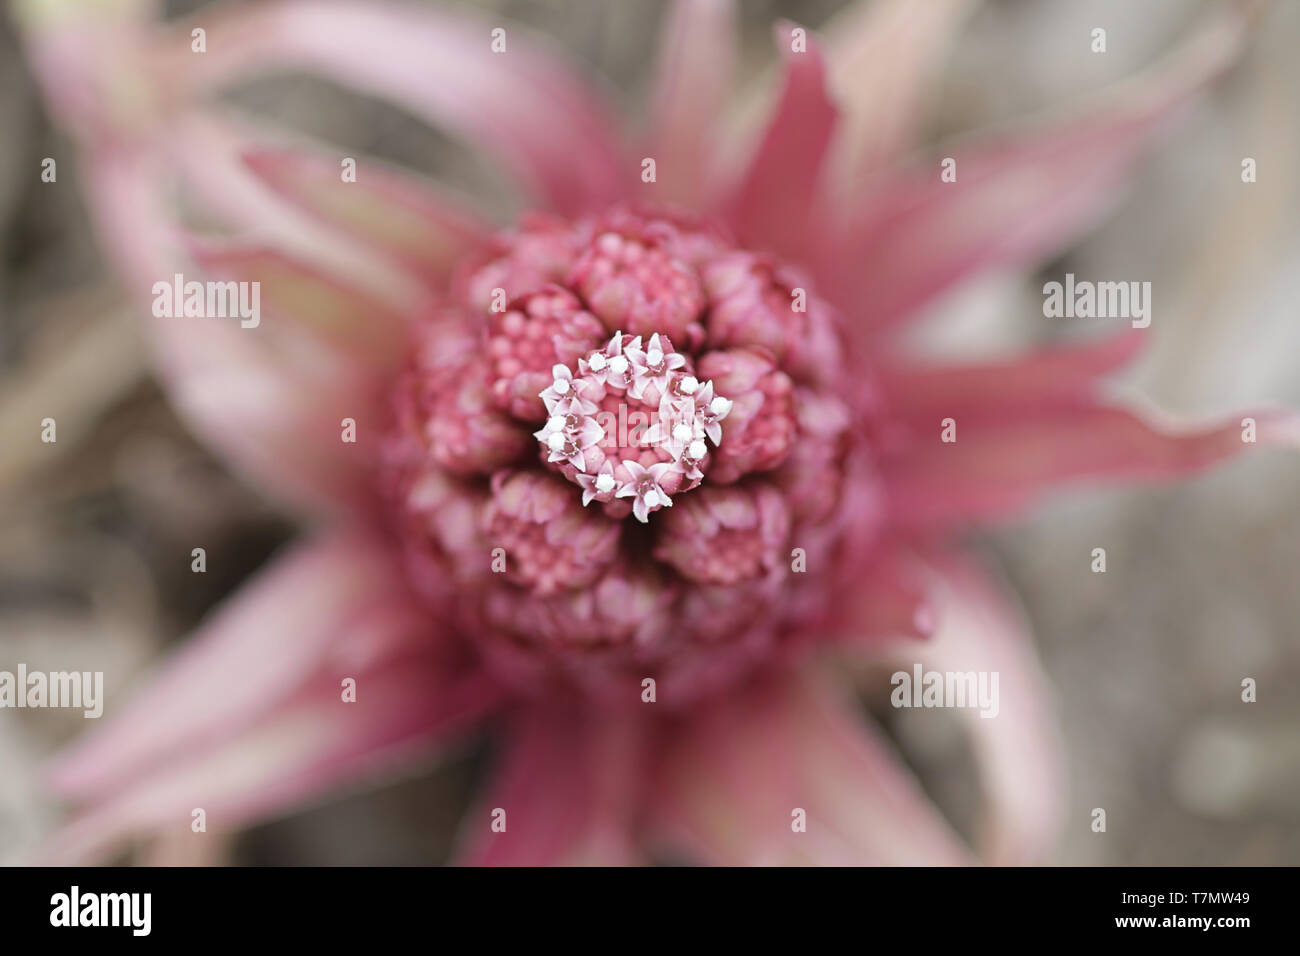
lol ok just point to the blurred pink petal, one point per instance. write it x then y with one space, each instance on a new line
427 230
566 781
694 70
776 196
314 742
921 395
252 654
524 107
1019 750
737 770
278 420
890 598
209 154
76 46
999 465
1017 198
281 432
305 308
882 54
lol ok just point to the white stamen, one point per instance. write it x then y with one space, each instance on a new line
654 357
555 423
697 450
561 386
720 405
604 483
689 384
651 498
682 431
555 442
618 365
597 361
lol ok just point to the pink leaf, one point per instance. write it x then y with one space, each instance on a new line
921 395
301 302
1016 199
563 792
250 717
772 205
254 652
275 415
735 776
413 220
1018 750
1001 463
696 54
311 744
881 54
524 106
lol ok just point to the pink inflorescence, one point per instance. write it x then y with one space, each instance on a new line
610 441
632 423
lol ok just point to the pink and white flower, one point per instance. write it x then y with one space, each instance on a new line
809 431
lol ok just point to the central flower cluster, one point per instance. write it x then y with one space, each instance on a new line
648 448
555 426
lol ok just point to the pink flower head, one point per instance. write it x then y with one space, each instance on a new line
524 343
626 467
637 280
552 542
647 460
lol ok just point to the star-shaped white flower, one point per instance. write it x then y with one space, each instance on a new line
567 395
711 409
568 437
645 487
600 486
611 365
652 366
675 428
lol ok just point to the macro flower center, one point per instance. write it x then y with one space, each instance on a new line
632 423
585 376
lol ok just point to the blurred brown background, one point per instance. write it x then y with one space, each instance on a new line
95 531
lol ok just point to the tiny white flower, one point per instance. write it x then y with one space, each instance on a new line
600 485
645 488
